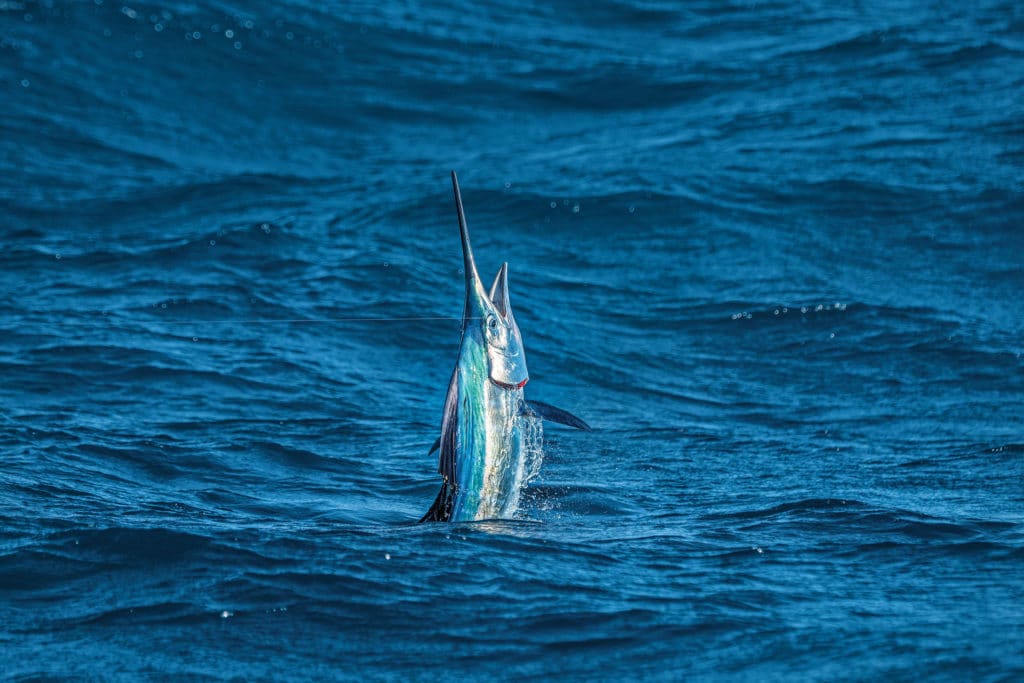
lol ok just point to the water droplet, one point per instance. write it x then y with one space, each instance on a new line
195 339
508 185
225 614
229 34
553 204
213 243
158 27
196 35
25 83
575 208
238 45
387 556
138 54
832 335
632 209
290 35
57 256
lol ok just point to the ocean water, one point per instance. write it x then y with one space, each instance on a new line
773 252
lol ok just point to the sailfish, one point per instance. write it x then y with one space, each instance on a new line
486 415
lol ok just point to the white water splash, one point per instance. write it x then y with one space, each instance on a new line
533 448
530 458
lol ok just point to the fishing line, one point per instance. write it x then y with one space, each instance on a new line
265 321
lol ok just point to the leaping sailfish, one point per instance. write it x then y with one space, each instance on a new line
482 443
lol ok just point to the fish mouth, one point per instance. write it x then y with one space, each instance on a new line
510 387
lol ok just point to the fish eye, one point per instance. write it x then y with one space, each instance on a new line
493 331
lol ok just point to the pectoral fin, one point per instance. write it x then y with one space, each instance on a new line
553 414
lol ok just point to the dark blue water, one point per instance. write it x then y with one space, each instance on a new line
772 252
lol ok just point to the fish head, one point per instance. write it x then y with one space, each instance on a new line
506 359
487 318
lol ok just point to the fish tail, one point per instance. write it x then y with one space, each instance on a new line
441 510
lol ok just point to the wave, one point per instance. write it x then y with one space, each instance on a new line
767 251
848 522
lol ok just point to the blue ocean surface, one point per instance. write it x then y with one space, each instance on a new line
773 252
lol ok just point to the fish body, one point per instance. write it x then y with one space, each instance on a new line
491 456
488 429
